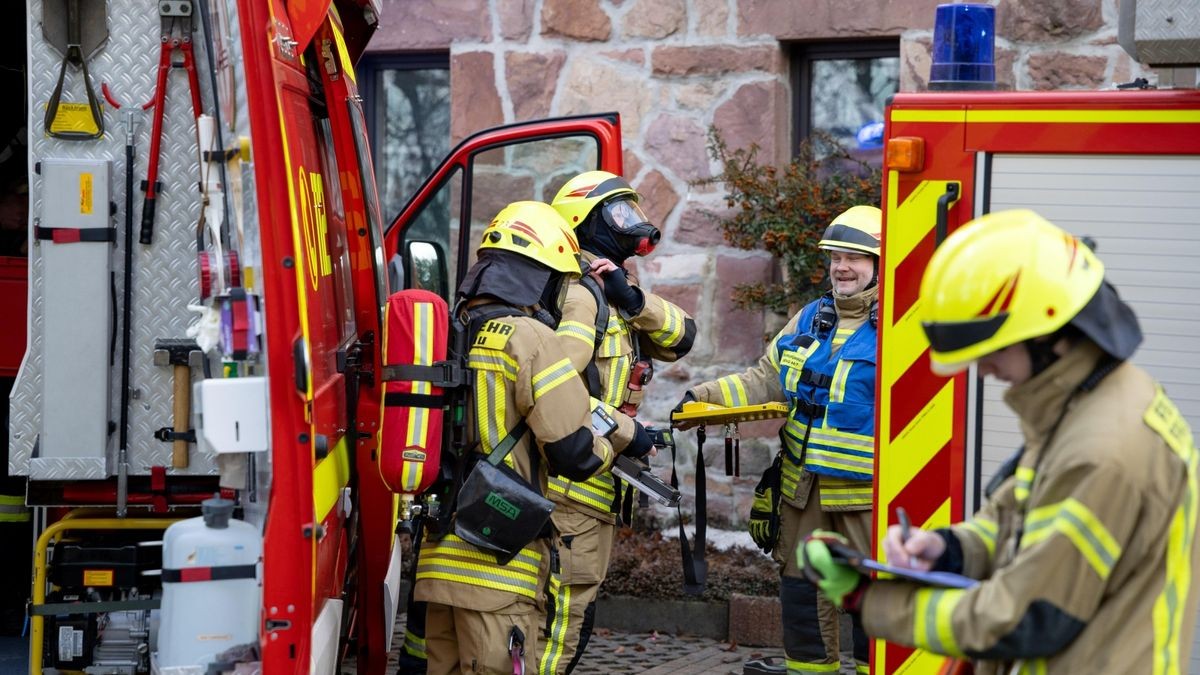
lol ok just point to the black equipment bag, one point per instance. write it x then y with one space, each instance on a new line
498 510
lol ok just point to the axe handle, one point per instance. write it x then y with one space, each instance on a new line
182 405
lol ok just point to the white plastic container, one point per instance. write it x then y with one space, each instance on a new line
204 614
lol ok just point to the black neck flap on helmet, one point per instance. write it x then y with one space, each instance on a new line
518 281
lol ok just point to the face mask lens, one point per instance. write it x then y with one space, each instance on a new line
624 215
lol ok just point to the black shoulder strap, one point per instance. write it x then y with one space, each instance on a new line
591 374
695 567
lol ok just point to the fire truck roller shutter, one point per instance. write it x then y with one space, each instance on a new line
1141 212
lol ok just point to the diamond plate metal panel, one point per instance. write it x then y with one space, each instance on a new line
1161 32
164 272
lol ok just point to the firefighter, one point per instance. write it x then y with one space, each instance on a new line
823 364
481 614
1086 547
611 329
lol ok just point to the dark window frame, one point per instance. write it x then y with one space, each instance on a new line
802 56
374 62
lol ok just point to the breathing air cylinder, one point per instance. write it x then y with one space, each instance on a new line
212 596
418 322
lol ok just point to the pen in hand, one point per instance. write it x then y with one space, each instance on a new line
905 525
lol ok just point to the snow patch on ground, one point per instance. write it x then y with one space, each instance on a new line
716 538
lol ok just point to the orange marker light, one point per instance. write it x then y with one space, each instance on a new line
906 153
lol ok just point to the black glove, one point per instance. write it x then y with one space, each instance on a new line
688 397
628 299
641 444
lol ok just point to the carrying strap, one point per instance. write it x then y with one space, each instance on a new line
591 374
72 235
507 444
695 567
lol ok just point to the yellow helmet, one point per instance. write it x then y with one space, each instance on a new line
1001 279
576 199
856 230
535 231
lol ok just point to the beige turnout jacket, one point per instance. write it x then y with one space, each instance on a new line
1087 554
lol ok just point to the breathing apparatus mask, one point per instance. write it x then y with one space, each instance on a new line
628 230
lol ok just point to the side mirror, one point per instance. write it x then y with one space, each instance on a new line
423 265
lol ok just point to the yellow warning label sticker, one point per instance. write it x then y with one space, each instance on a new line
85 194
74 118
97 577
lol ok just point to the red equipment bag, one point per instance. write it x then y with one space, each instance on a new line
418 323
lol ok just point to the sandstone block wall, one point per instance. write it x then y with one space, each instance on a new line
672 68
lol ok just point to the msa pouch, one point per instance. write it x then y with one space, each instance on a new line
498 510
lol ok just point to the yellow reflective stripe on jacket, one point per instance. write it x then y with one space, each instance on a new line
985 529
1025 475
1169 607
842 439
493 361
837 387
672 330
733 392
840 337
845 492
1078 524
618 377
453 559
613 342
490 407
554 375
932 627
837 461
797 667
13 509
789 479
598 492
578 330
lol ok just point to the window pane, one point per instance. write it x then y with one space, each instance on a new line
412 130
848 95
438 222
532 170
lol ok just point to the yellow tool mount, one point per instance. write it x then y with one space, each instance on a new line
695 412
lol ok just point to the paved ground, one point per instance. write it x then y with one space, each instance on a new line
619 653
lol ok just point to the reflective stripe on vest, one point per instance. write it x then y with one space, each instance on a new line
842 492
453 559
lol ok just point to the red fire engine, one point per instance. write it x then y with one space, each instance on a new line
236 346
1121 167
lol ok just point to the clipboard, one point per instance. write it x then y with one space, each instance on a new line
866 565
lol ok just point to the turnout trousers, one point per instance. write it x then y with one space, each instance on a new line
810 622
460 641
584 550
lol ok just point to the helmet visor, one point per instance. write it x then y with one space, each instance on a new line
624 215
